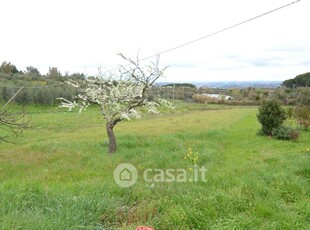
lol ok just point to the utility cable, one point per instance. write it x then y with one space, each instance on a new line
211 34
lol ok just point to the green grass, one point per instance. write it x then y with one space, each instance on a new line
60 176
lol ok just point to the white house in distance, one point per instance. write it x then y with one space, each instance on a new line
218 96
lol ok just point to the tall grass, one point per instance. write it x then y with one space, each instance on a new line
60 175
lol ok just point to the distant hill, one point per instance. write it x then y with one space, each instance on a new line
233 84
179 85
302 80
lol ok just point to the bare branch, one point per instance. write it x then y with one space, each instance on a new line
12 123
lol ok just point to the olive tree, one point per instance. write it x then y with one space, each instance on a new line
119 96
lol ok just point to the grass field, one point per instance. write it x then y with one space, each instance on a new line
60 176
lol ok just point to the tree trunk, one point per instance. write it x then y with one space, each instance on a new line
112 140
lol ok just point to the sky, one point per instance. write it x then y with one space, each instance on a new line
82 36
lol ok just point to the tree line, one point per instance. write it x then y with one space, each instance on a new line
44 89
37 89
7 68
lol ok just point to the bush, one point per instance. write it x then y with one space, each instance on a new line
304 124
271 116
285 133
302 113
289 112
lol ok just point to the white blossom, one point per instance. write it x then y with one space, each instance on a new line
119 96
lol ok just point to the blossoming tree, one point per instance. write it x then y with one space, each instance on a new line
119 97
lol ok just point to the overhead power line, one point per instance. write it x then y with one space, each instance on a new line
212 34
222 30
184 44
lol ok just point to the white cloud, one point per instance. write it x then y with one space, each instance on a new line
84 35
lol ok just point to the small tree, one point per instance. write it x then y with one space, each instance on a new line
119 97
32 70
53 72
7 67
271 115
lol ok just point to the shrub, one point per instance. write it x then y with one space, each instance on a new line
285 133
271 116
203 99
302 113
304 124
295 134
289 112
